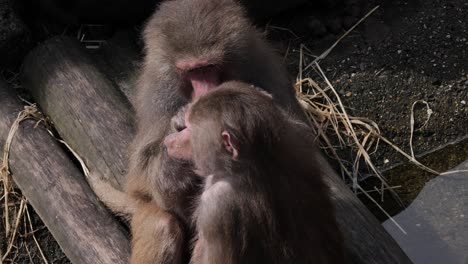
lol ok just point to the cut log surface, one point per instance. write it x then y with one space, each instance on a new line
95 120
89 112
59 193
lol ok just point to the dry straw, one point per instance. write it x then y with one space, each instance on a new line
12 222
331 122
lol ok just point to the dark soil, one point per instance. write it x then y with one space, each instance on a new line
404 52
25 249
412 179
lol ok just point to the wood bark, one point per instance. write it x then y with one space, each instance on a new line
58 191
94 119
89 112
366 240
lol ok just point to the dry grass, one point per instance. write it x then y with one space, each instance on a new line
14 201
336 129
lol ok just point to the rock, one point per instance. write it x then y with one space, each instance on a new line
436 221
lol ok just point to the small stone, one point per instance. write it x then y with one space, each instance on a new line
362 66
349 94
463 102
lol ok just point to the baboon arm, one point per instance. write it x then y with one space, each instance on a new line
157 236
116 200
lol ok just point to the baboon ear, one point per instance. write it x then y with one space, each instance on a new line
229 144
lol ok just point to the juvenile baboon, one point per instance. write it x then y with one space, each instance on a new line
264 198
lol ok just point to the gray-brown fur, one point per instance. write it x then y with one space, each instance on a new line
270 203
194 29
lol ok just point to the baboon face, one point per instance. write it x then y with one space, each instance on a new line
204 41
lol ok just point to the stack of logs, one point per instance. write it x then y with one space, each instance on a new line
92 114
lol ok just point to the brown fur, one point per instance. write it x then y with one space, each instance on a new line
186 29
215 31
268 202
150 223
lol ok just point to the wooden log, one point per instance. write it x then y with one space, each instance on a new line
366 240
69 76
90 113
59 193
